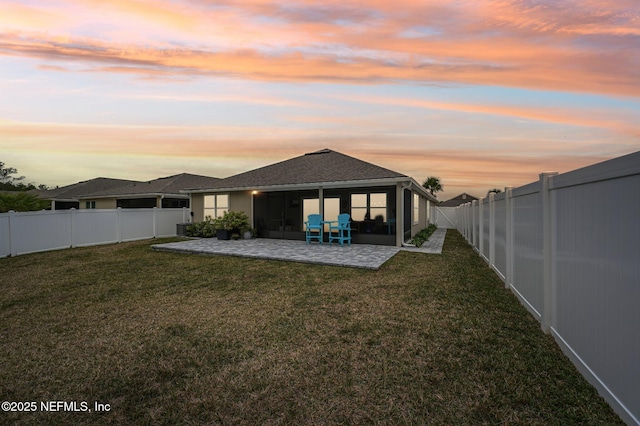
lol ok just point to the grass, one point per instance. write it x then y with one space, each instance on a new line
170 338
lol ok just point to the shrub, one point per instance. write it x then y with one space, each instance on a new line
421 237
21 202
205 229
237 222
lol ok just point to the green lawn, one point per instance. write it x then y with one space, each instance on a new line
168 338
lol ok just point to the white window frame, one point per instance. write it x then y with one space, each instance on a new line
416 208
218 206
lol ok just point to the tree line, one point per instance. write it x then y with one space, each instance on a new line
13 192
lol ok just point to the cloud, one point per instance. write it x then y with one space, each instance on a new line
617 121
562 46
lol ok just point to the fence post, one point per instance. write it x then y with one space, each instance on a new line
480 227
547 235
155 222
119 224
12 250
72 221
492 230
508 192
474 235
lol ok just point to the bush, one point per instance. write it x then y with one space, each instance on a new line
205 229
237 222
21 202
421 237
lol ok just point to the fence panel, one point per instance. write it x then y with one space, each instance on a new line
166 220
91 227
30 232
485 246
500 237
33 232
5 246
136 224
597 266
476 224
527 250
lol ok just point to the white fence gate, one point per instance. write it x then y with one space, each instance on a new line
446 217
569 247
30 232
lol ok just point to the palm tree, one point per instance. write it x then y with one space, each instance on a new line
433 185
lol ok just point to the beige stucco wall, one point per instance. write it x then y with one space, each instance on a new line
241 202
238 201
423 214
197 207
101 203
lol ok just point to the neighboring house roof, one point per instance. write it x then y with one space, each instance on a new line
456 201
170 185
72 192
314 168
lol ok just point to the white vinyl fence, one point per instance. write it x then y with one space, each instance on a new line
445 217
30 232
569 247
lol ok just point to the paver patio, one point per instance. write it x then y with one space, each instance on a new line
357 255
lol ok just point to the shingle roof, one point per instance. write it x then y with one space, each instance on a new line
456 201
73 191
315 167
166 185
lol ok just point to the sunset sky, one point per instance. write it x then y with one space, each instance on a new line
480 93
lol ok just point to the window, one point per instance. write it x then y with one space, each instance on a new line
416 208
369 207
216 205
358 207
90 205
378 206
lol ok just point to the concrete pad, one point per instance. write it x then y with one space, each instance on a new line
433 245
356 256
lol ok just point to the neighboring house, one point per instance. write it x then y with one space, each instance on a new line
162 193
106 193
459 200
66 197
386 207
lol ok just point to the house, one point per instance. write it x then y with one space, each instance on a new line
386 207
459 200
162 193
66 197
107 193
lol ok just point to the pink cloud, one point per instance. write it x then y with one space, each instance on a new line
503 43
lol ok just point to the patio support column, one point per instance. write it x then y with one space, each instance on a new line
253 220
399 214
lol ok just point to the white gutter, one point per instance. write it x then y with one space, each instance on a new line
300 186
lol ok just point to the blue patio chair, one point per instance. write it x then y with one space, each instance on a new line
314 227
340 230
